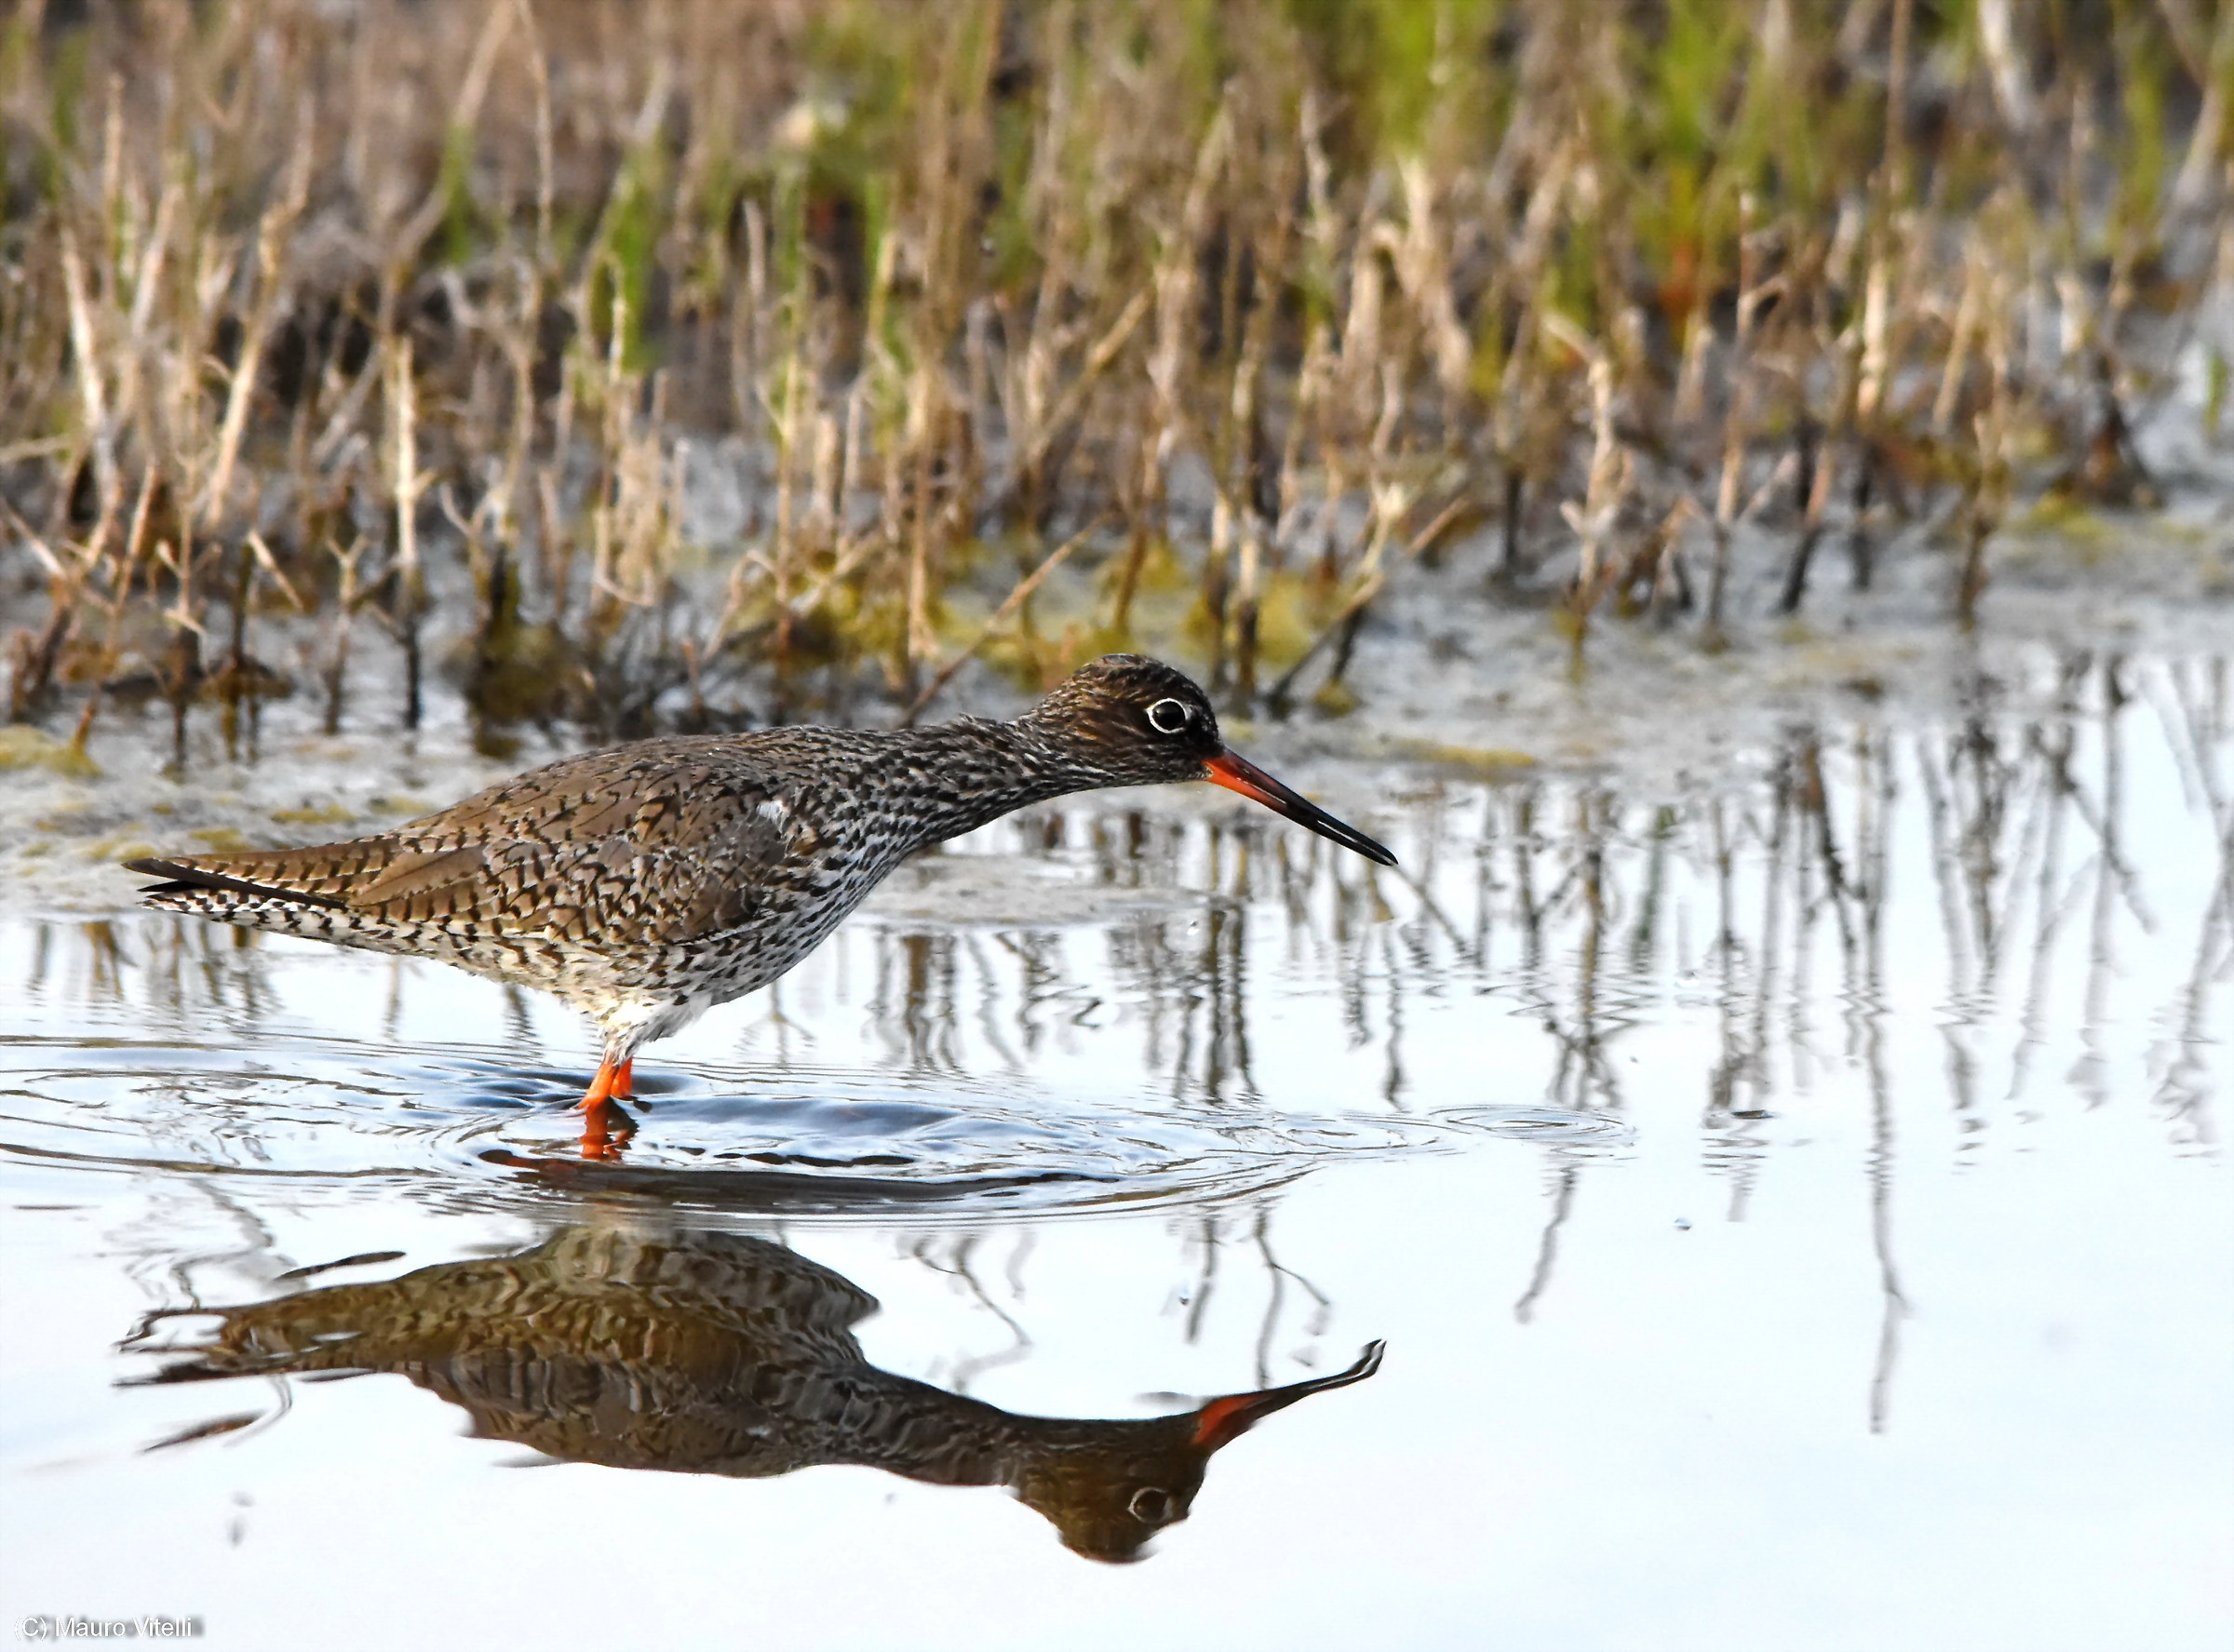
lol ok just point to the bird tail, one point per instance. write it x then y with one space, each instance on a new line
306 891
209 884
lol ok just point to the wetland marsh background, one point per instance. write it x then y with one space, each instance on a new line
1734 496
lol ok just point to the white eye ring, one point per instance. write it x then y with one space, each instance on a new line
1167 716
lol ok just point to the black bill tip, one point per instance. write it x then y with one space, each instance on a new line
1239 774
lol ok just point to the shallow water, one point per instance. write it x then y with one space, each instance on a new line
1792 1208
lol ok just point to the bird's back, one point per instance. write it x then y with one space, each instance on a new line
620 858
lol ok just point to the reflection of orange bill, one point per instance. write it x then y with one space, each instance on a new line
1224 1418
1240 775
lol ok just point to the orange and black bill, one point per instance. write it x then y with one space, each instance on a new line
1239 774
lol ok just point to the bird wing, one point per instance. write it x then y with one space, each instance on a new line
659 845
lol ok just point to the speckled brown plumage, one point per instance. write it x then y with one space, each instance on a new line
645 883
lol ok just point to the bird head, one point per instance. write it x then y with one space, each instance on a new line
1124 719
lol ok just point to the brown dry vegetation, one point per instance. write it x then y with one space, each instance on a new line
423 316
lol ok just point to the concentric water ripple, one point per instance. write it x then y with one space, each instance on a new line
809 1140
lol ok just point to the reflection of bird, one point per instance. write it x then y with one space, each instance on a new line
710 1353
646 883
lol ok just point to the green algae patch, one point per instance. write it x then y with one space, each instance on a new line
330 814
1488 761
22 747
1334 698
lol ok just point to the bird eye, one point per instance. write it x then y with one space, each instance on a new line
1150 1503
1167 716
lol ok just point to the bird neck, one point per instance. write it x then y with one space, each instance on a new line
968 774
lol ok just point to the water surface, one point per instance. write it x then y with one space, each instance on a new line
1792 1205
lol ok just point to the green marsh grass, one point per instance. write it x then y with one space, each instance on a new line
317 317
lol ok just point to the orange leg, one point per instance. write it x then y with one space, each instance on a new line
604 1126
615 1080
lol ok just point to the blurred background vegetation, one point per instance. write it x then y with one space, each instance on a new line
655 363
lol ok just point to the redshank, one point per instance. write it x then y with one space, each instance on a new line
646 883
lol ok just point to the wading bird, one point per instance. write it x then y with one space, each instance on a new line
646 883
